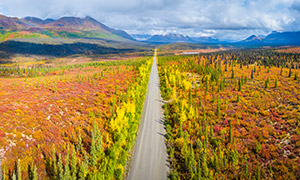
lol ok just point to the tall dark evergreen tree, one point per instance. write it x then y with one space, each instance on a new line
74 163
60 170
67 174
79 143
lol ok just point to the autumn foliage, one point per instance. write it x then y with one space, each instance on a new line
71 122
232 115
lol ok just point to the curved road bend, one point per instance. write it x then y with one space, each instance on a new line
150 158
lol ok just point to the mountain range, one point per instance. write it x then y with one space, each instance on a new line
66 27
90 28
274 38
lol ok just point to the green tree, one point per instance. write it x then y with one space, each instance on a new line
93 151
276 83
86 162
79 144
81 171
4 173
32 174
54 161
232 74
74 163
230 133
290 72
218 107
267 83
204 170
60 170
67 174
257 171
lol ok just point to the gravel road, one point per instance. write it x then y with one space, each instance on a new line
150 156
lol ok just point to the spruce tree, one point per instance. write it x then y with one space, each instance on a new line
290 72
93 150
232 74
54 161
230 132
206 87
267 83
67 174
86 162
60 170
79 144
204 170
275 83
257 171
211 129
218 107
33 175
240 84
74 163
80 171
4 173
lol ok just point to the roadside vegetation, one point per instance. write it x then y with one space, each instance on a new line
232 114
70 122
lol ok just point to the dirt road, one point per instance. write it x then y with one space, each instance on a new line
149 160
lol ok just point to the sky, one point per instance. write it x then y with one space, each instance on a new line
223 19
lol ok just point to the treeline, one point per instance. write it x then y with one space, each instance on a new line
61 50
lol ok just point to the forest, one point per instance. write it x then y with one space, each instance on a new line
232 114
70 122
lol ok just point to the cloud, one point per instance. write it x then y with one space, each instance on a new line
220 18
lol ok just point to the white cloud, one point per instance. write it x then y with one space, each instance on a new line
221 18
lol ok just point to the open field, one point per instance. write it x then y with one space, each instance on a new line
232 115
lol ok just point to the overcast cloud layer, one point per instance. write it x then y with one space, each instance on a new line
224 19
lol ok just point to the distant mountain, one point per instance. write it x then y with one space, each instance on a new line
169 38
141 37
290 38
37 21
67 27
274 38
206 40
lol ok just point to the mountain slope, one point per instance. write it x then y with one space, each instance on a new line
33 21
66 27
169 38
205 40
274 38
10 23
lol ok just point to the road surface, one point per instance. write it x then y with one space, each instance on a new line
150 158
